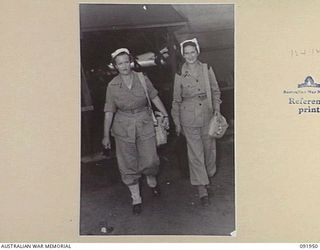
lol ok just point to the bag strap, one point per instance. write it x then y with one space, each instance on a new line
144 85
207 83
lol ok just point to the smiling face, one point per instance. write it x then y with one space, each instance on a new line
122 63
190 54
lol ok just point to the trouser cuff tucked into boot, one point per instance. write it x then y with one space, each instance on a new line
152 181
202 190
135 194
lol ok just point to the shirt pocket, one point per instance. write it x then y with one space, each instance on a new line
187 112
139 91
189 88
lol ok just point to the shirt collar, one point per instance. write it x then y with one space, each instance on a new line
185 69
117 80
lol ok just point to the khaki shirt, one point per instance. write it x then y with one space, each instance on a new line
189 106
121 100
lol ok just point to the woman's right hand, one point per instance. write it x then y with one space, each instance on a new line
106 142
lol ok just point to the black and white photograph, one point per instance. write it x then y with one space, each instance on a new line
157 119
159 123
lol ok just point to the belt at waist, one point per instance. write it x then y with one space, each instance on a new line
133 111
196 97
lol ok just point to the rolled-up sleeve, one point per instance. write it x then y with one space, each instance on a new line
152 92
177 99
216 94
109 105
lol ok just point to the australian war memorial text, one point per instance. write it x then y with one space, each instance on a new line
33 246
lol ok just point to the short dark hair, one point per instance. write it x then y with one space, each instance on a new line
189 44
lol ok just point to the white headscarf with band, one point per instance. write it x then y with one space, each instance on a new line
194 40
118 51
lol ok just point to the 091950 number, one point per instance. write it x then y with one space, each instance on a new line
313 246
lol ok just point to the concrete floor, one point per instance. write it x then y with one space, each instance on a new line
105 200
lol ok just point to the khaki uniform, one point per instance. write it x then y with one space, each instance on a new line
190 110
132 128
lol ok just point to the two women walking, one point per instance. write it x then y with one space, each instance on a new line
127 110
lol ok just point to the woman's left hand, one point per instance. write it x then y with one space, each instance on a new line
217 113
165 122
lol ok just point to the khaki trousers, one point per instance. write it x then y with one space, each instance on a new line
135 159
201 154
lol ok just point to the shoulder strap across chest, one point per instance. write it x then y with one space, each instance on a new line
144 85
207 83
